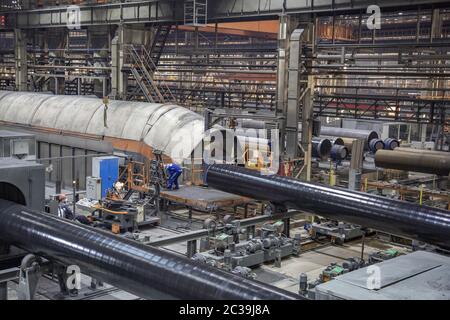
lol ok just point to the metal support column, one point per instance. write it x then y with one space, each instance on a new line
114 66
105 87
292 110
20 59
3 291
56 85
286 23
306 100
436 25
4 249
79 86
300 98
287 227
191 248
307 127
119 79
356 163
423 134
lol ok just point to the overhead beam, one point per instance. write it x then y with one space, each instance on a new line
259 29
247 9
20 59
94 15
161 11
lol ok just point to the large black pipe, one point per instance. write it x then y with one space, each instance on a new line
126 264
396 217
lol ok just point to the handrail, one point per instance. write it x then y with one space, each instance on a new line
142 59
153 67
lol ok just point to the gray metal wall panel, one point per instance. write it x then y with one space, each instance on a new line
80 168
54 152
44 150
67 167
89 164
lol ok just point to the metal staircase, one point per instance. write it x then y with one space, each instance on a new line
144 63
157 47
143 68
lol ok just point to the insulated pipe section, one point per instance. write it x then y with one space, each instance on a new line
321 148
396 217
423 151
252 124
391 143
338 152
334 140
123 263
348 143
367 135
417 161
338 141
375 145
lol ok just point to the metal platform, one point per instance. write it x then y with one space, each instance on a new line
203 198
420 275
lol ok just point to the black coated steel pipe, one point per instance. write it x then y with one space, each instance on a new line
396 217
126 264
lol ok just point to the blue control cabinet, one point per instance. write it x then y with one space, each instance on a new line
107 169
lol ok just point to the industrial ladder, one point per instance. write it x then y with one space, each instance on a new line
195 12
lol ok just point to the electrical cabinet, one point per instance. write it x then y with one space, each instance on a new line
107 169
94 188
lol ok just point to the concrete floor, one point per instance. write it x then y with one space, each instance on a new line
48 289
312 262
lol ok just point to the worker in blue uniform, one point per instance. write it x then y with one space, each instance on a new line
173 172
